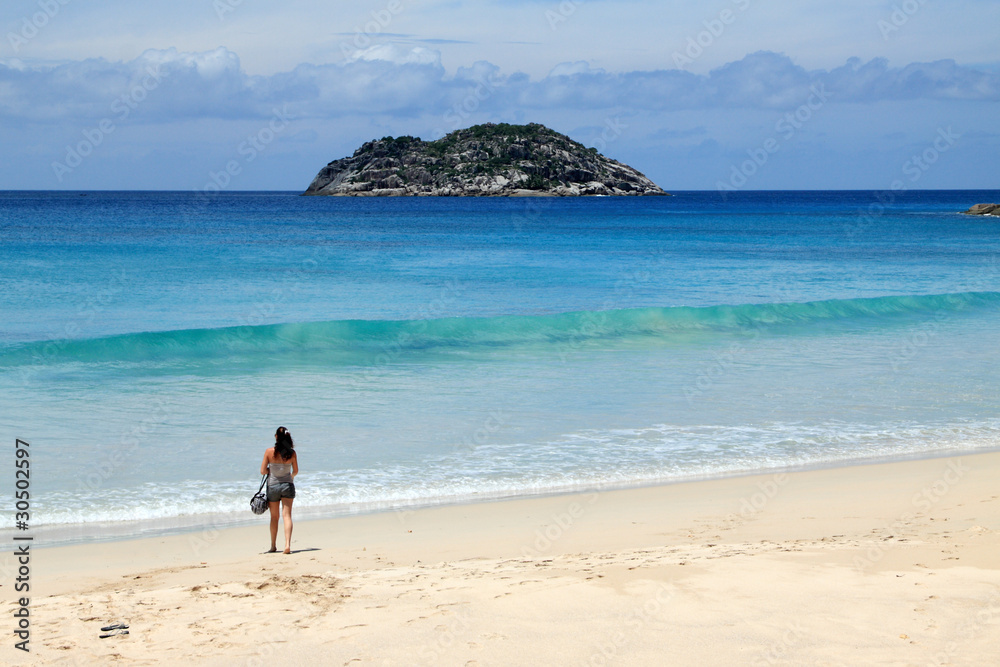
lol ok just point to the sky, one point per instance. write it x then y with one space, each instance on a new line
725 94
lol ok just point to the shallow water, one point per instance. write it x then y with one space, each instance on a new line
436 350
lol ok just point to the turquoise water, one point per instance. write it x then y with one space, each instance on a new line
426 351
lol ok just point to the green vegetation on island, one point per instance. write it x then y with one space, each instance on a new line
483 160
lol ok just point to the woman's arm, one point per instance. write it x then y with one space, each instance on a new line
295 465
267 459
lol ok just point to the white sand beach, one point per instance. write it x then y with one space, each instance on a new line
895 563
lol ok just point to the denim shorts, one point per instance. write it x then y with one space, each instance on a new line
276 492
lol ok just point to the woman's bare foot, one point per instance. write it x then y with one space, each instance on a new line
287 551
272 550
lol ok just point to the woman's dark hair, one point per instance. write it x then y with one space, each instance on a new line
284 448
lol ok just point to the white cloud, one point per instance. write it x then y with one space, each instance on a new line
210 65
399 55
410 81
571 69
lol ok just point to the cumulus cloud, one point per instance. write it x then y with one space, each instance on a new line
943 79
398 55
170 83
761 80
571 69
411 81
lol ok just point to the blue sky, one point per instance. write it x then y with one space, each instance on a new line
741 94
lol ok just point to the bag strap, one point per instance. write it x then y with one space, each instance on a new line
263 481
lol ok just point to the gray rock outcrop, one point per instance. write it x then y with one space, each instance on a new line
984 209
491 160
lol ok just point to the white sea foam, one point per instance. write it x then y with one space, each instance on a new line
585 460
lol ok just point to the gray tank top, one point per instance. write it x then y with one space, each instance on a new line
280 473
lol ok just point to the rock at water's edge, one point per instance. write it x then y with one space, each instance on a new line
984 209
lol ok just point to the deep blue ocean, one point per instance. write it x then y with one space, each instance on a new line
438 350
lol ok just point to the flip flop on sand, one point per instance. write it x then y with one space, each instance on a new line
115 626
114 633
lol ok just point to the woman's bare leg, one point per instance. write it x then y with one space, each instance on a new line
286 518
274 525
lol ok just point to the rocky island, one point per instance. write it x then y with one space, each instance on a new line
984 209
490 160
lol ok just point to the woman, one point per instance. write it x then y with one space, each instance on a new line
281 465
